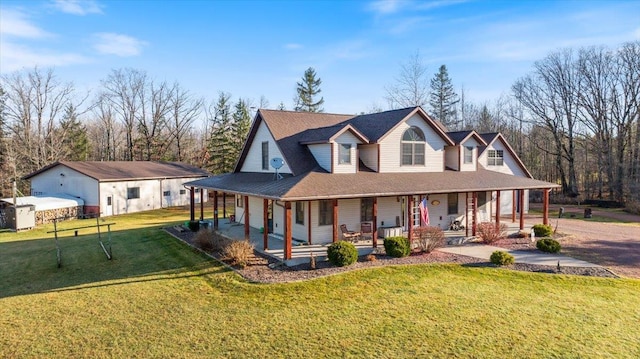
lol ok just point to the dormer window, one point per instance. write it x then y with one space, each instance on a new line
495 158
344 153
468 154
413 147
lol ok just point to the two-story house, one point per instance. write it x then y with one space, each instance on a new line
301 175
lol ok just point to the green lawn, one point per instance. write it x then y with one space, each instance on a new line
159 298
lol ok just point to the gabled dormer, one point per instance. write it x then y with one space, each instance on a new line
463 155
497 155
335 148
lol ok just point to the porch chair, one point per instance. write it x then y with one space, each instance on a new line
366 230
348 235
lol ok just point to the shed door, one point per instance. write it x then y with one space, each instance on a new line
109 208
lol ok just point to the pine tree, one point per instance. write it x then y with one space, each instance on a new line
221 147
307 90
241 125
74 136
443 97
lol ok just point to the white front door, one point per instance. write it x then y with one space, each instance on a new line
109 207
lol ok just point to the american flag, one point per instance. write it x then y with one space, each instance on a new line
424 212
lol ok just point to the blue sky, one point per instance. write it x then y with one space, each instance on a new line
261 48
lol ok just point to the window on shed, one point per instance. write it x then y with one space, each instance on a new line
452 203
412 147
183 191
300 212
344 153
166 193
265 155
239 201
495 158
325 212
133 192
468 154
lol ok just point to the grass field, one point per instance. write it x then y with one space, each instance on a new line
159 298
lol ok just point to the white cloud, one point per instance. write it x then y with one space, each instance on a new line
15 23
293 46
118 44
78 7
384 7
16 57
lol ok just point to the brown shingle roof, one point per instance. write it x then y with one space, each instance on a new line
322 185
109 171
460 136
292 129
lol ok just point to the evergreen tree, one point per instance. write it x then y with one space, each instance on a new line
221 146
443 97
74 136
307 90
241 125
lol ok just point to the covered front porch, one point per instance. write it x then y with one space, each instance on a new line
301 251
285 246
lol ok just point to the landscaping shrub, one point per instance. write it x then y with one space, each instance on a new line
194 226
428 238
218 242
548 245
238 252
342 253
397 246
542 230
204 240
501 258
491 232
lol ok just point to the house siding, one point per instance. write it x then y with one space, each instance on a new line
369 156
322 154
390 148
345 138
510 167
473 165
452 157
253 160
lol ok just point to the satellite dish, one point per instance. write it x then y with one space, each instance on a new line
277 162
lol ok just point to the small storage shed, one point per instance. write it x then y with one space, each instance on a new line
33 210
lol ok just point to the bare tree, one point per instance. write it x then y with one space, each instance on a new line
549 94
184 110
411 87
125 89
34 105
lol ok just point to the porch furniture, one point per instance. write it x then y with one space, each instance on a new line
366 230
349 235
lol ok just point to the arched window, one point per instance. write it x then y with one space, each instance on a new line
413 147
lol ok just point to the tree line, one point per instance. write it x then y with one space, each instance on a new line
573 119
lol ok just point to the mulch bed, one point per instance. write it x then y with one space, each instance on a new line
264 269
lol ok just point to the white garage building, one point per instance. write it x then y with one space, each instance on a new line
117 187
